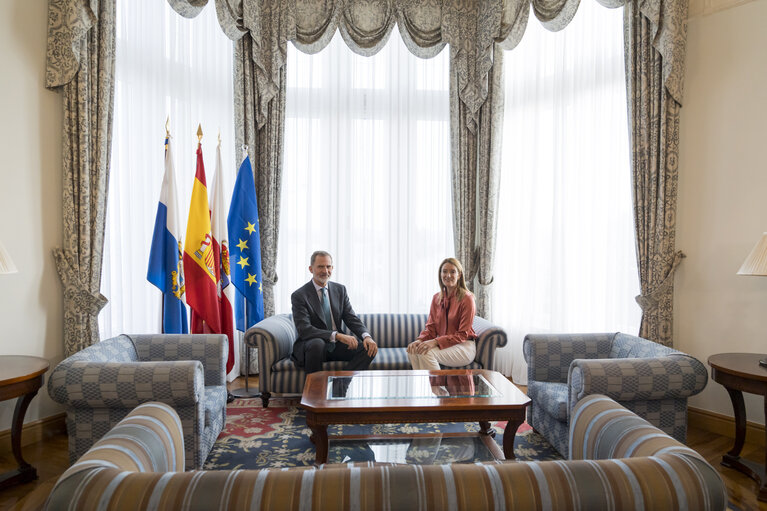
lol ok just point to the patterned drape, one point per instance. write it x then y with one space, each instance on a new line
654 89
80 62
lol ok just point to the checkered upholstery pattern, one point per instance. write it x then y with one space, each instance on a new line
274 337
102 383
652 380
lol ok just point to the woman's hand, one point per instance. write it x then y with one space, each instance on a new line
425 346
411 348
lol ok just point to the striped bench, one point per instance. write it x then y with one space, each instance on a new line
618 461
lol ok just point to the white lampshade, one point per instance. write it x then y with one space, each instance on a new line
756 262
6 263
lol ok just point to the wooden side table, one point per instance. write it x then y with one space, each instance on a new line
20 377
738 373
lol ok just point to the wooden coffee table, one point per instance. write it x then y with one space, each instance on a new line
385 397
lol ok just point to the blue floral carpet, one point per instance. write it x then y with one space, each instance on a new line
256 437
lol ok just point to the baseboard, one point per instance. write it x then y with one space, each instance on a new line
35 431
723 425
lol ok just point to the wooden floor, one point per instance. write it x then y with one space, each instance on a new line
51 460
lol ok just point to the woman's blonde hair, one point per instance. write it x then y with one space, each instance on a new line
461 290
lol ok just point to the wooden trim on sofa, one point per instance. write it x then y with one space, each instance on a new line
724 425
35 431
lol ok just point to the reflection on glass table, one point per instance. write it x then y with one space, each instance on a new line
415 386
421 451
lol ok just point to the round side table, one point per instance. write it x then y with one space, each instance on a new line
738 373
20 377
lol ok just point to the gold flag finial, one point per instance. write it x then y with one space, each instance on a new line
199 133
167 126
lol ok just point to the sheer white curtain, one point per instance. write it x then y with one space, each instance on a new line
566 259
367 174
166 65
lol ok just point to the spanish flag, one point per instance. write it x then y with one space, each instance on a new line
201 263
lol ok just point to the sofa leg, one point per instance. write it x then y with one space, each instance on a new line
265 398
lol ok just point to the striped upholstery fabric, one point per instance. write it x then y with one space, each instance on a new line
652 380
654 472
274 337
102 383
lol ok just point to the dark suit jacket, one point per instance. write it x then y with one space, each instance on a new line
308 316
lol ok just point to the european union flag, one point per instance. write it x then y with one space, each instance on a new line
245 250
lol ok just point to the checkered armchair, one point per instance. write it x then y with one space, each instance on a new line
102 383
652 380
275 335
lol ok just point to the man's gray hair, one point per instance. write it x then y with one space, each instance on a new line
319 253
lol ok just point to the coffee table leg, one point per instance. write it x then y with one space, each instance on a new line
320 439
485 429
509 434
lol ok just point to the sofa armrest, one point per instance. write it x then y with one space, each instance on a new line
274 338
637 379
83 384
601 429
211 350
549 356
490 337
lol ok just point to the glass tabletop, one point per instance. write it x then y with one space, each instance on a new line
409 386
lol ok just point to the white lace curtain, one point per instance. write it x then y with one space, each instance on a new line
565 259
366 174
165 65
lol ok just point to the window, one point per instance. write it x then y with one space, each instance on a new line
166 65
565 258
367 174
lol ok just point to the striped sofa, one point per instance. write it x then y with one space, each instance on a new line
102 383
275 335
652 380
618 461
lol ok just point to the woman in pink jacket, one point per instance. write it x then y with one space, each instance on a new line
448 337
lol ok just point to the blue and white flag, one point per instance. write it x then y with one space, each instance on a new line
166 268
245 250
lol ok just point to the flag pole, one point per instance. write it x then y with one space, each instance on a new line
245 392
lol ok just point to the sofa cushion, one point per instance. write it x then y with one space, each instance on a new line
551 397
390 359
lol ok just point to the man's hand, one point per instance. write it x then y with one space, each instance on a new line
349 340
370 346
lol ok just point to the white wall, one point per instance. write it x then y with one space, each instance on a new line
30 196
722 208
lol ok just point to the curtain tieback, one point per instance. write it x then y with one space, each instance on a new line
84 300
649 301
269 278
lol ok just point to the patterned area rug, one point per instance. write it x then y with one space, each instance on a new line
256 437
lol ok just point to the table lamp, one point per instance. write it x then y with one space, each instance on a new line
756 264
6 263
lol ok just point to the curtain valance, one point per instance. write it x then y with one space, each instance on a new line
426 26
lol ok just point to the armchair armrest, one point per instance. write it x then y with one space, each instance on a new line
274 338
548 357
637 379
84 384
490 337
211 350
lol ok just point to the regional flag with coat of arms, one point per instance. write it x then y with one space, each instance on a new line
200 258
246 249
218 210
166 269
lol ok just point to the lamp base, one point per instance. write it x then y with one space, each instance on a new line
763 362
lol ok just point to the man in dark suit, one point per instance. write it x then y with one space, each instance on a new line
319 307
